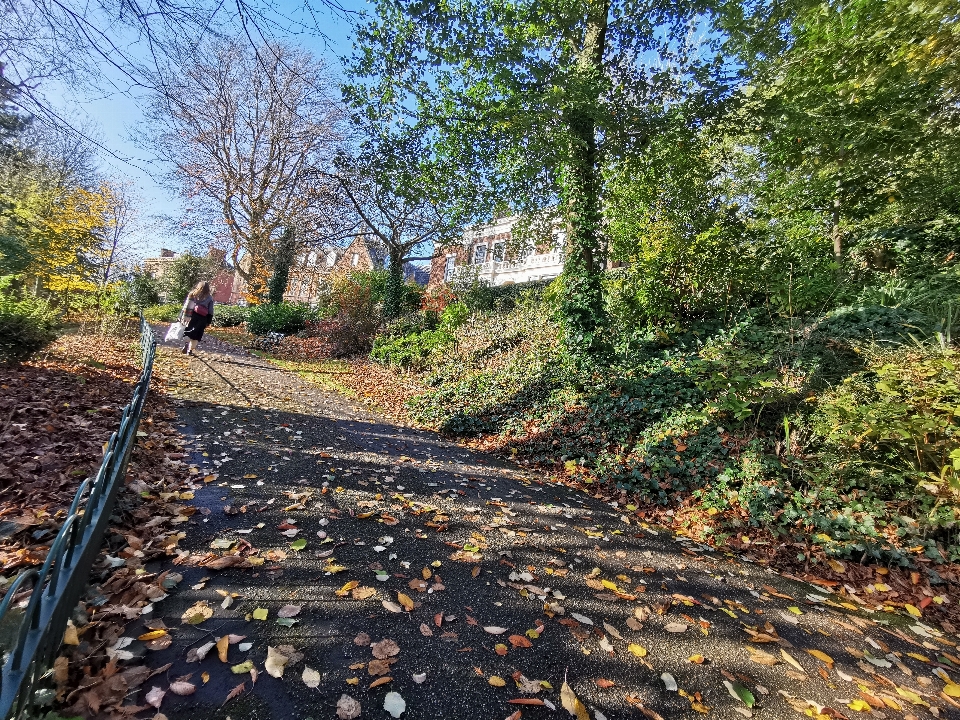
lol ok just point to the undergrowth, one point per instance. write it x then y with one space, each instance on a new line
835 434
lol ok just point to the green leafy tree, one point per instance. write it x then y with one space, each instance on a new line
534 97
281 258
183 274
853 107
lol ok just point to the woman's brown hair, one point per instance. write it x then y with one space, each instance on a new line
201 291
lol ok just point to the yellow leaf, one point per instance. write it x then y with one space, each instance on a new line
637 650
497 681
910 695
610 585
205 676
353 681
405 601
822 656
791 659
152 635
952 689
837 566
859 705
913 610
345 590
70 636
571 703
223 644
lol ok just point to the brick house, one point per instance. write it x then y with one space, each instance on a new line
313 268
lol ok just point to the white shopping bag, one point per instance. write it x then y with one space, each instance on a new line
175 333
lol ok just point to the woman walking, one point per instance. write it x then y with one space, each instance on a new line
196 315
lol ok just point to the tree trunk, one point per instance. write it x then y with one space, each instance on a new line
393 295
582 305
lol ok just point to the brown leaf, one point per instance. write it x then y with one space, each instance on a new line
378 667
604 683
362 640
226 561
381 681
385 649
519 641
238 690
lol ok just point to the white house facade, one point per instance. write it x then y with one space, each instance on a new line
490 253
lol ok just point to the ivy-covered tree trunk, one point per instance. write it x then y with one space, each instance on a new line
283 254
582 304
393 294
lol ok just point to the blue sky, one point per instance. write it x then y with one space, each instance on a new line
112 109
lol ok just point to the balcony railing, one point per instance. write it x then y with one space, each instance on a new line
493 268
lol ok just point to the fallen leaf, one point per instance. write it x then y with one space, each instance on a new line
822 656
289 611
571 703
155 697
223 645
392 606
238 690
669 682
381 681
152 635
347 708
497 681
197 613
494 630
276 662
604 683
637 650
310 677
739 692
519 641
385 649
790 659
260 614
408 605
675 627
394 704
180 687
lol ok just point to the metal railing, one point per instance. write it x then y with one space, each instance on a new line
59 583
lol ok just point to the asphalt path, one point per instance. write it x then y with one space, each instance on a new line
638 622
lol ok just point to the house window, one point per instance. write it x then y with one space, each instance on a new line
313 258
479 254
355 260
498 251
448 268
331 259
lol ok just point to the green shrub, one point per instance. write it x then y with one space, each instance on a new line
162 313
409 350
230 315
408 342
26 323
285 318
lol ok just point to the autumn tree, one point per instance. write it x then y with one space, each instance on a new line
247 132
535 97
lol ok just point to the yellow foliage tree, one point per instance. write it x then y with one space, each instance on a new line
66 237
